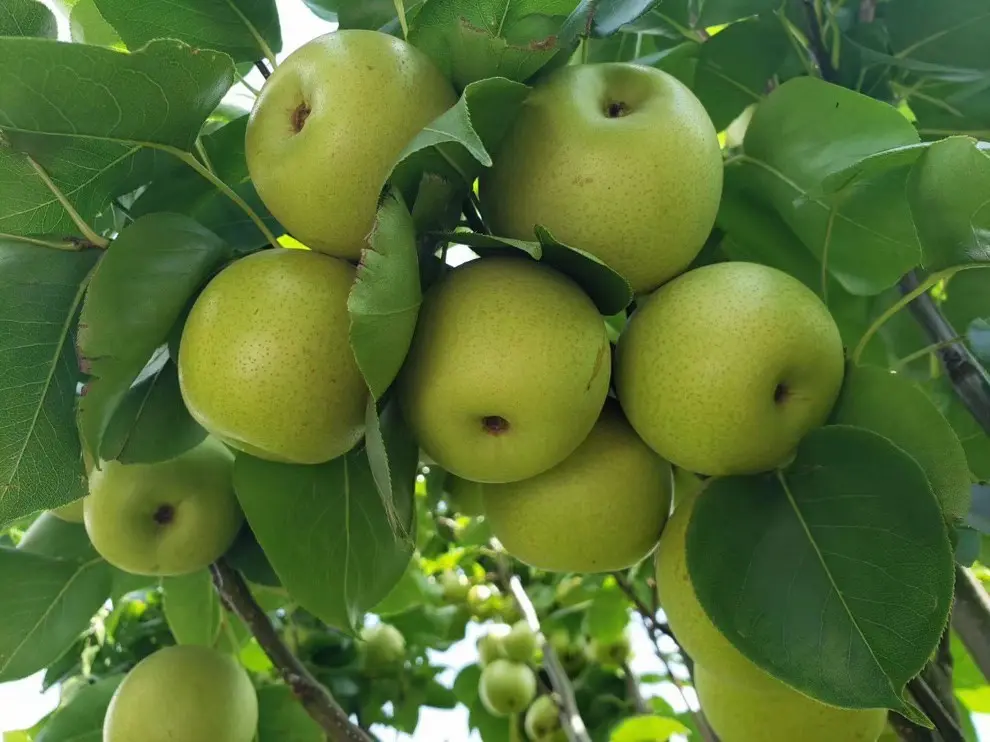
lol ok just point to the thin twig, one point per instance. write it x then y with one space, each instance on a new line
473 216
819 50
968 377
263 69
948 728
570 715
632 688
315 698
971 618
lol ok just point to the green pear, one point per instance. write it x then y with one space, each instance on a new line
169 518
542 719
71 512
265 361
454 587
759 708
464 496
506 687
491 646
520 643
725 369
482 601
612 653
508 370
602 509
570 651
328 127
384 647
188 693
619 160
688 621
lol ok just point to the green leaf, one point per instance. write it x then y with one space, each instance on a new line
647 729
513 39
609 291
370 14
393 455
458 143
384 301
282 718
140 288
192 608
246 555
152 423
408 592
608 614
949 193
87 172
491 728
51 536
602 17
27 18
181 190
88 26
241 28
801 134
47 604
40 457
835 575
891 406
735 65
81 719
717 12
466 684
326 533
952 33
159 95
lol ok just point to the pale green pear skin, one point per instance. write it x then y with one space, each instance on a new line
723 370
169 518
639 190
71 512
265 361
507 372
759 708
602 509
384 647
188 693
506 687
328 127
542 719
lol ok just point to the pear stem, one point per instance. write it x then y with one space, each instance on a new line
315 698
570 715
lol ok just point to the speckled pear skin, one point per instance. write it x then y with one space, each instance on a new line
759 708
640 189
504 340
265 362
328 127
600 510
183 693
723 370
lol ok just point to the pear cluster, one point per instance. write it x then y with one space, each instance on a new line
508 683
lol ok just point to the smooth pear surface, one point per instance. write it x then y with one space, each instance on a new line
169 518
725 369
759 708
506 687
265 361
183 693
508 370
329 125
602 509
619 160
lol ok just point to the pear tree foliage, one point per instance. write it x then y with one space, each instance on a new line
854 140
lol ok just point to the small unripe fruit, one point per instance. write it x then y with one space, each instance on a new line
542 719
506 687
384 647
611 653
520 644
491 646
454 587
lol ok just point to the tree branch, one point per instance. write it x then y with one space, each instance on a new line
969 379
263 68
570 715
971 618
819 51
316 699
